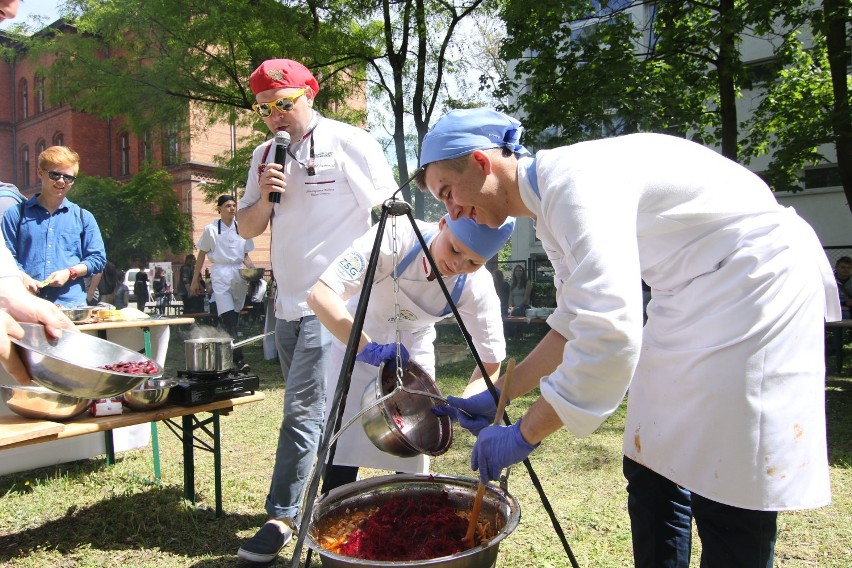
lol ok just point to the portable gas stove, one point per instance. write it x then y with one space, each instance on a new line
200 388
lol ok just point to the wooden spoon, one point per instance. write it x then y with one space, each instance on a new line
480 488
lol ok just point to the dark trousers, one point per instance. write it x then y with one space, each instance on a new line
337 475
661 514
231 323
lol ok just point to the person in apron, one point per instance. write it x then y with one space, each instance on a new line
228 251
726 411
460 249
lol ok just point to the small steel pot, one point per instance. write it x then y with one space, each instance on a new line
404 425
213 355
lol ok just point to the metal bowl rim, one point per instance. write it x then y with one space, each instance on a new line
41 352
72 408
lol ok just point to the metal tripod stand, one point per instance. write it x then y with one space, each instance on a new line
325 453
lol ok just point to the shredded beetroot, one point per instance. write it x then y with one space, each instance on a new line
409 529
132 367
400 423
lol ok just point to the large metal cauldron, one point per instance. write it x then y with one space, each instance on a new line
498 506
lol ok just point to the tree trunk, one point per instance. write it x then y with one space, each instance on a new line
726 69
836 19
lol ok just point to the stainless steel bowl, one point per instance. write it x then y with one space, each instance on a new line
251 274
79 314
404 425
40 403
151 394
497 505
72 363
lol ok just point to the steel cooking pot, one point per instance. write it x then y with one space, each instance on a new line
498 506
404 425
213 354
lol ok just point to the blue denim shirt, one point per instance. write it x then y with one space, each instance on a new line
49 242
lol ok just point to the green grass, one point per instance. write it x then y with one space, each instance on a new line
87 514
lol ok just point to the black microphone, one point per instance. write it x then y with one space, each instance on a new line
282 142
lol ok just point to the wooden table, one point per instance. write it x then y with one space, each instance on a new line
16 431
145 326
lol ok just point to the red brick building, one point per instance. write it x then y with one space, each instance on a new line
29 124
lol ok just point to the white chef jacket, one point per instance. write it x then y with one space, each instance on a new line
422 303
727 392
226 249
320 215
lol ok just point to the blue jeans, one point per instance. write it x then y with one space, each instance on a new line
303 347
661 514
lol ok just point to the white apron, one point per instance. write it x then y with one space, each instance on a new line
719 433
226 250
417 333
229 288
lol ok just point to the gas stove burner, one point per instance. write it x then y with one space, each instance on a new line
207 375
193 390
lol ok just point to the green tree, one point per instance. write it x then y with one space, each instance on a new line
584 72
140 220
806 105
569 74
409 63
146 59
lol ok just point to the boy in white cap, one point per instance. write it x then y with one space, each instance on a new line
316 204
460 249
726 413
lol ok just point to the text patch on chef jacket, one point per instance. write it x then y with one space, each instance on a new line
351 266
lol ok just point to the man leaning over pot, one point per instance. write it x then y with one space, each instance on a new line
726 412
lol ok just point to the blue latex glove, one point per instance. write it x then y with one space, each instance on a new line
480 409
375 353
498 447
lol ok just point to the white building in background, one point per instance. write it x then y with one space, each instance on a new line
822 204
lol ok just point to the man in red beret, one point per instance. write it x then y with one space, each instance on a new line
316 204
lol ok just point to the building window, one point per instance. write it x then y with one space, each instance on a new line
171 149
39 85
25 166
146 148
40 146
58 139
124 149
816 178
25 101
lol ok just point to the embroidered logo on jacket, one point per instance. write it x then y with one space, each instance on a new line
351 266
406 315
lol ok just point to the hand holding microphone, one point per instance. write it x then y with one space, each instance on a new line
282 142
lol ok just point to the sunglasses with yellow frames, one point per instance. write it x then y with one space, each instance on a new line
284 104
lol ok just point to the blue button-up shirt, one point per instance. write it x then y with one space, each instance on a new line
44 242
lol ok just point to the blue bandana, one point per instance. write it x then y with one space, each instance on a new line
460 132
481 239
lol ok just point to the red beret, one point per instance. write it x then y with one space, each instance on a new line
282 74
